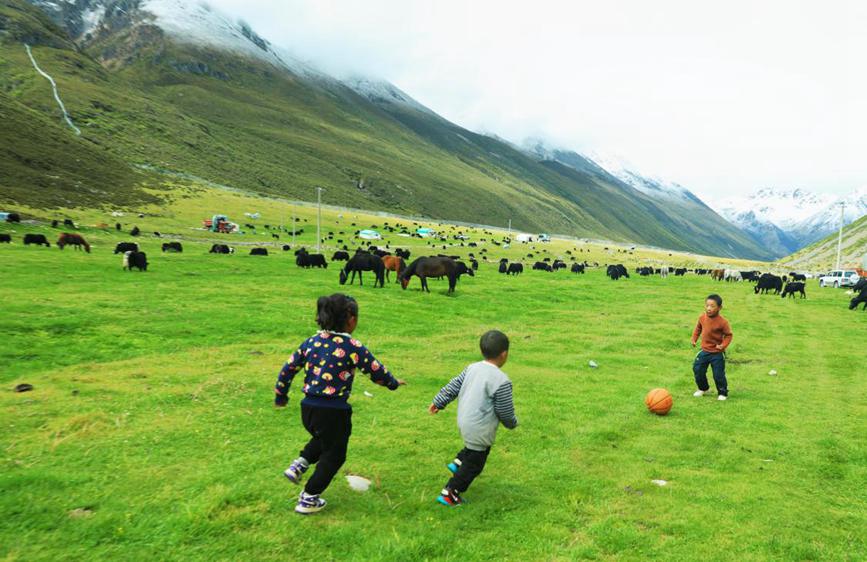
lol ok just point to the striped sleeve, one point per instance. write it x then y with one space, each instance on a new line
450 391
504 406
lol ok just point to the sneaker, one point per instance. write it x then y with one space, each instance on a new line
699 393
295 471
453 466
722 397
308 504
449 498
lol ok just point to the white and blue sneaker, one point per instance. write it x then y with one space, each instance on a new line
454 466
308 504
296 470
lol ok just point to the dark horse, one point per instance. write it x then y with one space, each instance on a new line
363 262
76 240
431 267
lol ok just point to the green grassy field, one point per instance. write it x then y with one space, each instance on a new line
151 431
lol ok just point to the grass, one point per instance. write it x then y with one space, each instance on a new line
150 432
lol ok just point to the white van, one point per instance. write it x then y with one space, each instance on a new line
839 278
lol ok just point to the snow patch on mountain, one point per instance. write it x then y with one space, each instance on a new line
381 91
648 184
784 208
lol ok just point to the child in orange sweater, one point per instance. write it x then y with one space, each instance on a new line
716 335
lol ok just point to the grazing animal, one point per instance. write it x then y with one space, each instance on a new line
474 263
769 282
259 251
680 272
393 263
221 249
793 287
577 268
5 238
616 271
718 274
797 276
732 275
402 253
55 223
542 266
504 266
77 240
340 255
515 269
305 260
173 247
462 269
69 223
135 259
558 264
13 217
425 267
125 247
117 226
363 262
38 239
663 271
860 288
135 231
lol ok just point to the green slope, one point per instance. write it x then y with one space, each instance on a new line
822 255
146 100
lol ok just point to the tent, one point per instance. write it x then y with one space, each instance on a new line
369 235
425 232
544 238
524 238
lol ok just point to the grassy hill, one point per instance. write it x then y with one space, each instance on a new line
147 100
822 255
150 431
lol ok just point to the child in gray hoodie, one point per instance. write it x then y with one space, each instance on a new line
484 394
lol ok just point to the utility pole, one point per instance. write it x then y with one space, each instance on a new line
510 228
840 236
293 225
318 218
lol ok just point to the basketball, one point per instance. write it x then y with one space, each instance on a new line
658 401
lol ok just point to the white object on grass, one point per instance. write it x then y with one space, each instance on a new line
659 482
772 372
593 364
368 394
358 483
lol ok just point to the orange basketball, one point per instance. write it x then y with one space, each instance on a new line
658 401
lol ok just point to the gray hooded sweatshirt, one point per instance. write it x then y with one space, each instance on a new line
484 395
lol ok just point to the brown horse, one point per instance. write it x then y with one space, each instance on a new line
430 267
76 240
393 263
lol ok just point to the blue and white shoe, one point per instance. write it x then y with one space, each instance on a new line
308 504
296 470
454 466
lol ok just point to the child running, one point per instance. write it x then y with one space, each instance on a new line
716 335
329 360
484 394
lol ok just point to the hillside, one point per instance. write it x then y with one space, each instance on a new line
144 98
822 255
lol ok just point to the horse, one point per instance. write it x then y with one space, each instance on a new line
76 240
393 263
363 262
430 267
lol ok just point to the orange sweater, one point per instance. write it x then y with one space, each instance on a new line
713 331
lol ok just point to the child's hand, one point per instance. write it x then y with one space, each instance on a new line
433 409
719 346
693 344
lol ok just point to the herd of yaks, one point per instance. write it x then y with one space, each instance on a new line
381 262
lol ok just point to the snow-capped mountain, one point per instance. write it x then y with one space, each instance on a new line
787 220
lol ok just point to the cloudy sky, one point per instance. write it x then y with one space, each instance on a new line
724 98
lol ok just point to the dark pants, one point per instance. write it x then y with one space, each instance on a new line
717 362
330 428
472 463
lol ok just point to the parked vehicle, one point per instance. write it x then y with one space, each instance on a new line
839 278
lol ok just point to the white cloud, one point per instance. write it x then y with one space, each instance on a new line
722 97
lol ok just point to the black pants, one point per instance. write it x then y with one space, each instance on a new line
717 362
330 429
472 463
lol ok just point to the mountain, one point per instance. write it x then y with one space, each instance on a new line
787 220
169 86
822 255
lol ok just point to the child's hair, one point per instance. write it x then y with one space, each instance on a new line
716 298
493 343
332 313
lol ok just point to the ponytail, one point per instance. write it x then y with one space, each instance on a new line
333 312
